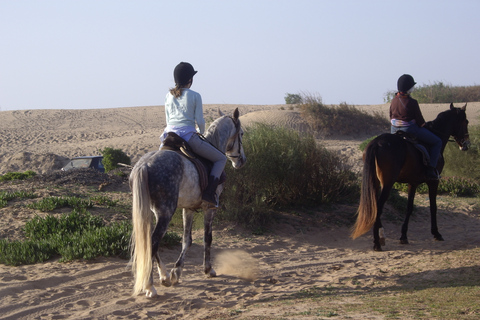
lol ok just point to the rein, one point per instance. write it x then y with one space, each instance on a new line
236 135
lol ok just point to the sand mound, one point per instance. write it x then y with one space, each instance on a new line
40 163
279 118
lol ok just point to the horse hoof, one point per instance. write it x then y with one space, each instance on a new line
382 241
377 248
439 238
211 273
166 283
175 277
150 293
403 241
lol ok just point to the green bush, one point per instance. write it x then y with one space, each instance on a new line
438 92
17 175
293 98
284 168
111 158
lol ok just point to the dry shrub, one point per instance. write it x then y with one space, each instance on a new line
340 120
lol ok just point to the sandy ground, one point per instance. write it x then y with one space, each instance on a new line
257 275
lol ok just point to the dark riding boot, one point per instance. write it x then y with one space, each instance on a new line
209 195
432 173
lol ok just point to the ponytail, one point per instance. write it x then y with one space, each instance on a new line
177 91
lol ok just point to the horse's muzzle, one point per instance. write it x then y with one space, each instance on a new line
465 145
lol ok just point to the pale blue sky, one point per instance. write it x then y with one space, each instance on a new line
103 54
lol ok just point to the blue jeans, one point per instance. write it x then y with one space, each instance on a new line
434 143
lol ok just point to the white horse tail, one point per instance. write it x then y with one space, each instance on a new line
141 242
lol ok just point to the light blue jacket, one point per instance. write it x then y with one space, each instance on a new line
185 110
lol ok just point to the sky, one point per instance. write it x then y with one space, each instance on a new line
65 54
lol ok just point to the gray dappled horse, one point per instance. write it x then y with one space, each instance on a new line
163 180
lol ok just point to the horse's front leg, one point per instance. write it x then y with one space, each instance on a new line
207 241
411 197
186 244
432 193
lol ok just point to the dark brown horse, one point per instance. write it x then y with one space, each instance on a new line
388 159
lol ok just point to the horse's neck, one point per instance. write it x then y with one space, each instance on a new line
442 127
218 134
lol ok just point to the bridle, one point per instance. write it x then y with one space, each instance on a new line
236 137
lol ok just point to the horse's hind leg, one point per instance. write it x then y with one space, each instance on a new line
207 242
162 271
411 196
378 233
186 244
163 217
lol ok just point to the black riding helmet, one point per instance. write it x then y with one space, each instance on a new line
405 83
183 73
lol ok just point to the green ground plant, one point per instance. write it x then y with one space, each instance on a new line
52 203
72 236
6 196
17 175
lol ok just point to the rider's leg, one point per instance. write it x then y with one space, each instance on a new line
206 150
434 142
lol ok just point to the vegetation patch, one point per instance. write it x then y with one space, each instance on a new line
76 235
440 92
343 119
284 169
9 176
6 196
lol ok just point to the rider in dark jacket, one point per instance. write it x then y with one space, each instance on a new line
405 115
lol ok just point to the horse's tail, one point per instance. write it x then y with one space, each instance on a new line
367 209
141 242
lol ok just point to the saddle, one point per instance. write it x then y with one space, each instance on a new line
174 142
417 144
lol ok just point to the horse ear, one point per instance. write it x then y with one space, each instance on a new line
451 106
464 107
236 114
220 113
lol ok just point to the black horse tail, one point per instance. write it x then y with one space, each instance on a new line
367 209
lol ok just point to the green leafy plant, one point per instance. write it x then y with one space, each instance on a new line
111 158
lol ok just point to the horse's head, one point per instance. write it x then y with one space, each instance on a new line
226 134
460 127
234 149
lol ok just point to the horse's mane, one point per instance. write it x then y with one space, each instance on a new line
445 119
219 131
